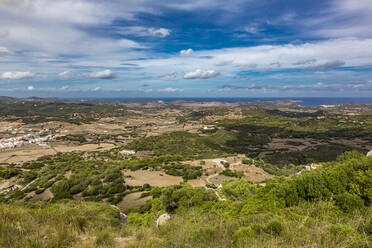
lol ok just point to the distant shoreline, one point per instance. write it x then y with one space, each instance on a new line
301 101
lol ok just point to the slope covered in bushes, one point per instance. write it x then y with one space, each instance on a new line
327 207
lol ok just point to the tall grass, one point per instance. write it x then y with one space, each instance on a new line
65 224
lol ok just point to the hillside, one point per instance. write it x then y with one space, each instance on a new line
327 207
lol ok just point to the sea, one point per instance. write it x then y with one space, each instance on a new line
305 101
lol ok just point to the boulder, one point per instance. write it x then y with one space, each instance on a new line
123 217
162 219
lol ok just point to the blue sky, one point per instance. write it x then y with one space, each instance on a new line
197 48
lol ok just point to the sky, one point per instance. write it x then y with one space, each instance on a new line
195 48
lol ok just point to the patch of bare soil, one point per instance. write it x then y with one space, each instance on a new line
46 195
78 196
154 178
196 183
220 179
133 201
86 147
24 154
7 184
32 152
67 174
251 172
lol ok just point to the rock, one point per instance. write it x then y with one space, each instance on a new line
162 219
123 217
369 154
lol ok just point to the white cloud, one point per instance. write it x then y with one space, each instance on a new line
4 50
168 75
162 32
65 87
144 31
97 89
30 87
327 65
344 18
105 74
200 74
17 75
223 62
186 52
65 75
171 90
125 43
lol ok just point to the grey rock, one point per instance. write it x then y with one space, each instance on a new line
162 219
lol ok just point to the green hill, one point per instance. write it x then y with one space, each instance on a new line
326 207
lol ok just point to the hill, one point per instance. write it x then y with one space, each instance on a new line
327 207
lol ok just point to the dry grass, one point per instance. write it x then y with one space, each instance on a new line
154 178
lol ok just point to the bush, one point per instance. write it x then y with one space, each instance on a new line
247 161
340 232
243 236
275 228
349 202
257 228
7 173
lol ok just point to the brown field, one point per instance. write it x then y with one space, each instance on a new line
24 154
46 195
196 182
133 201
32 152
214 167
218 179
154 178
252 173
84 148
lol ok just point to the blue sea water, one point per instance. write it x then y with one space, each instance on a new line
305 102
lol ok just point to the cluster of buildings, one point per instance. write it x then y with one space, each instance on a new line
22 140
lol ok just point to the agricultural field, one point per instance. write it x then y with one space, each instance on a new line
247 163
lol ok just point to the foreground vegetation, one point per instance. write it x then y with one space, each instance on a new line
328 207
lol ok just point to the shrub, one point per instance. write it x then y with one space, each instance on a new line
349 202
340 232
243 236
7 173
257 228
275 228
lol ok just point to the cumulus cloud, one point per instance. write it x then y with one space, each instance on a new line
65 75
97 89
17 75
171 90
248 87
162 32
186 52
327 65
144 31
201 74
105 74
4 50
30 87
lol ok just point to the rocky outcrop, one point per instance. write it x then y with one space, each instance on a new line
123 217
162 219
